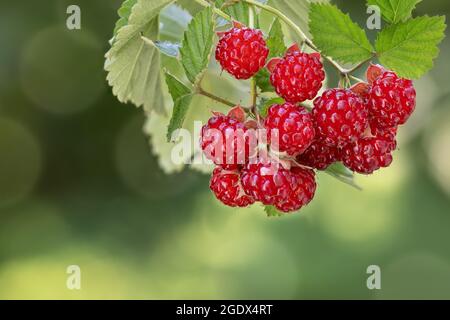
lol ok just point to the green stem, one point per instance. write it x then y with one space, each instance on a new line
202 92
356 79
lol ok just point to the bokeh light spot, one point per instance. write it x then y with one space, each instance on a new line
62 71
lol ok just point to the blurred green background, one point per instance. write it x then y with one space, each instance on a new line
80 185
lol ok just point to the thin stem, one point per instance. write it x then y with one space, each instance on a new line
251 17
215 10
359 65
202 92
356 79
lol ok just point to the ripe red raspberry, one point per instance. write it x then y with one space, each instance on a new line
298 76
319 156
242 52
392 100
226 141
368 154
227 188
389 133
340 117
289 128
270 183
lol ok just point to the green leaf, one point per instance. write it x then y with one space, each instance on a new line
265 104
263 81
394 11
337 36
182 97
174 21
410 47
271 211
277 48
190 5
238 11
133 65
197 45
296 10
168 48
275 40
340 172
124 13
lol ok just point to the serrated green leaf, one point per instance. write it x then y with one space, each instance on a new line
271 211
182 98
277 48
340 172
124 13
133 66
337 36
394 11
410 47
168 48
238 11
197 44
296 10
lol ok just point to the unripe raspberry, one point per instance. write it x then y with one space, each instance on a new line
289 128
270 183
226 142
242 52
298 76
368 154
340 117
226 186
319 155
392 100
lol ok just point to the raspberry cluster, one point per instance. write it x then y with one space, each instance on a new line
357 126
259 177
